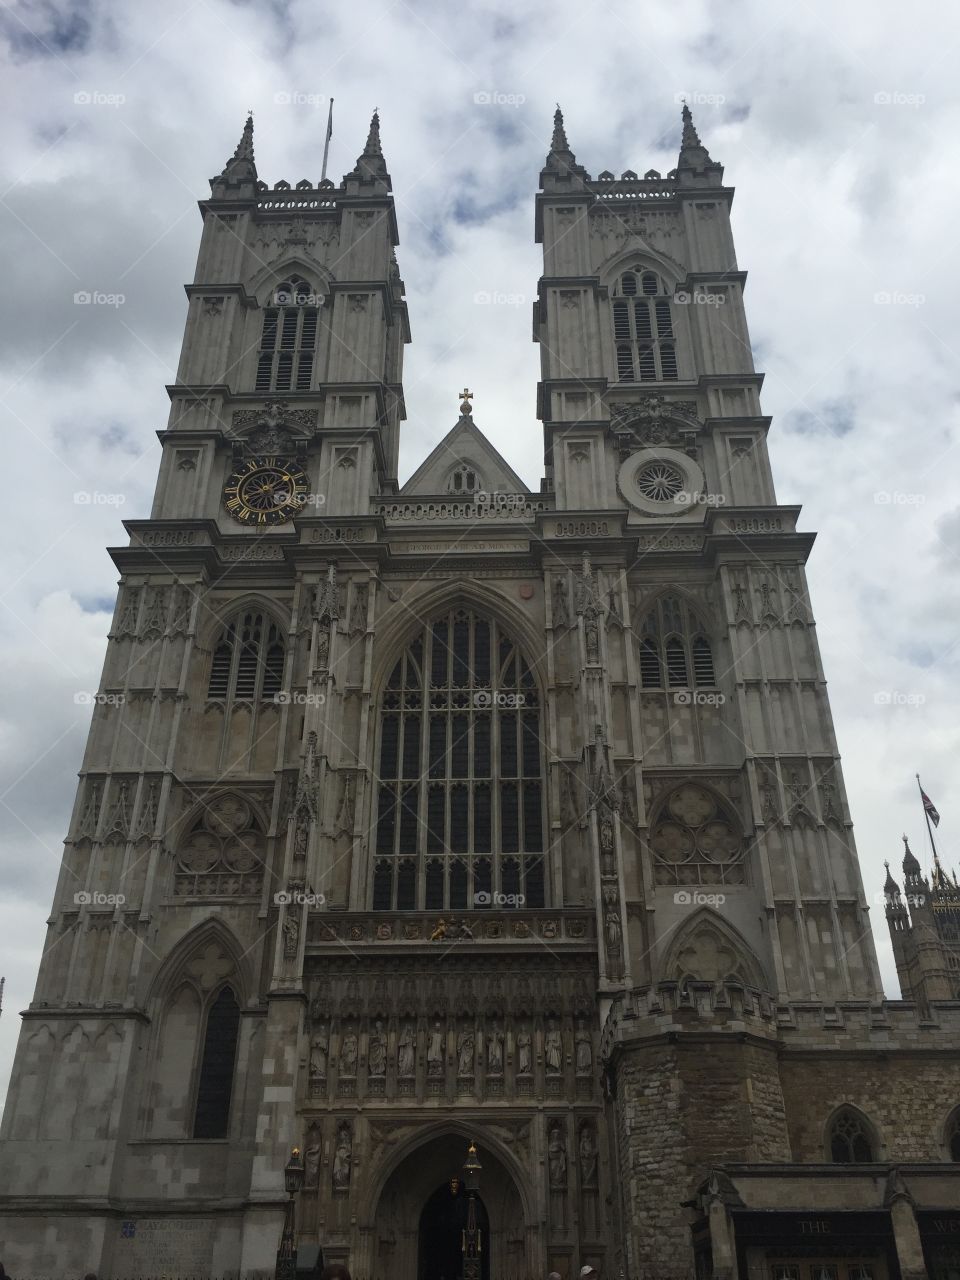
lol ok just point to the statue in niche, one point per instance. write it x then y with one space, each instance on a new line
466 1051
591 632
377 1058
561 610
358 615
553 1049
588 1157
406 1051
348 1054
584 1050
300 838
311 1159
614 945
319 1050
341 1159
435 1052
291 936
323 648
495 1051
524 1052
557 1158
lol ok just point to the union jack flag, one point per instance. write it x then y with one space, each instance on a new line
929 808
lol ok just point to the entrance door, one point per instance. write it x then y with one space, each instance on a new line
442 1224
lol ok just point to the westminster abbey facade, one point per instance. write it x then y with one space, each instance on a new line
414 814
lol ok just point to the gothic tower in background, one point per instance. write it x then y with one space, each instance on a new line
458 810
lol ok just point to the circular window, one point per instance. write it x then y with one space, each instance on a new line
661 482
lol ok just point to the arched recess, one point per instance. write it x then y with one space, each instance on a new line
637 251
707 948
696 837
656 628
458 814
219 847
402 1183
203 975
849 1137
263 284
648 331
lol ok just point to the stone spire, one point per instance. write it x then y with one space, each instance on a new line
694 161
890 887
561 162
911 867
239 174
559 140
370 163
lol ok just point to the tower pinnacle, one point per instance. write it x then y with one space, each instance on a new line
559 141
370 163
239 174
561 163
694 158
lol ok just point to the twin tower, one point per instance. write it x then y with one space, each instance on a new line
415 814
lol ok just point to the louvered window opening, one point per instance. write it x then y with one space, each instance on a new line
288 339
460 822
675 652
643 329
247 660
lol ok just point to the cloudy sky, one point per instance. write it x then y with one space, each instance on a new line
837 123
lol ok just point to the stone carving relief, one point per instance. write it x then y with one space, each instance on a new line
342 1157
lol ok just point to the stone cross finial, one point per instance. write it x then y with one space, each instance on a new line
465 398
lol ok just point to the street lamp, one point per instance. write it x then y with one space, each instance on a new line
472 1244
287 1253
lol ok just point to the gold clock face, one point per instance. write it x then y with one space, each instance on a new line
266 490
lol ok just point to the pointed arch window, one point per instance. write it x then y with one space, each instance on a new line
459 817
217 1062
247 660
288 338
464 478
952 1137
849 1139
643 328
675 651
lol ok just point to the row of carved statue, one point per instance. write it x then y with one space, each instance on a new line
471 1048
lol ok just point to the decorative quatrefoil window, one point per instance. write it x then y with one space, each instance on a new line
223 854
696 839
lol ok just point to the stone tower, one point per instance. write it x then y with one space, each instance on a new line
924 924
458 810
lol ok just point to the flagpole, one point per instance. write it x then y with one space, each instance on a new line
926 815
326 142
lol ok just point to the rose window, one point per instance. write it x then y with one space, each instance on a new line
659 481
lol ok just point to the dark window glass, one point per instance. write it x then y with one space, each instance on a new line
215 1086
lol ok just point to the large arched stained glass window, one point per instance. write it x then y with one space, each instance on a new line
459 822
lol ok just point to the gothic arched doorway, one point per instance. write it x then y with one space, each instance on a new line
440 1241
410 1206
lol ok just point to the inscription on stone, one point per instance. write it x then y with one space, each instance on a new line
153 1246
